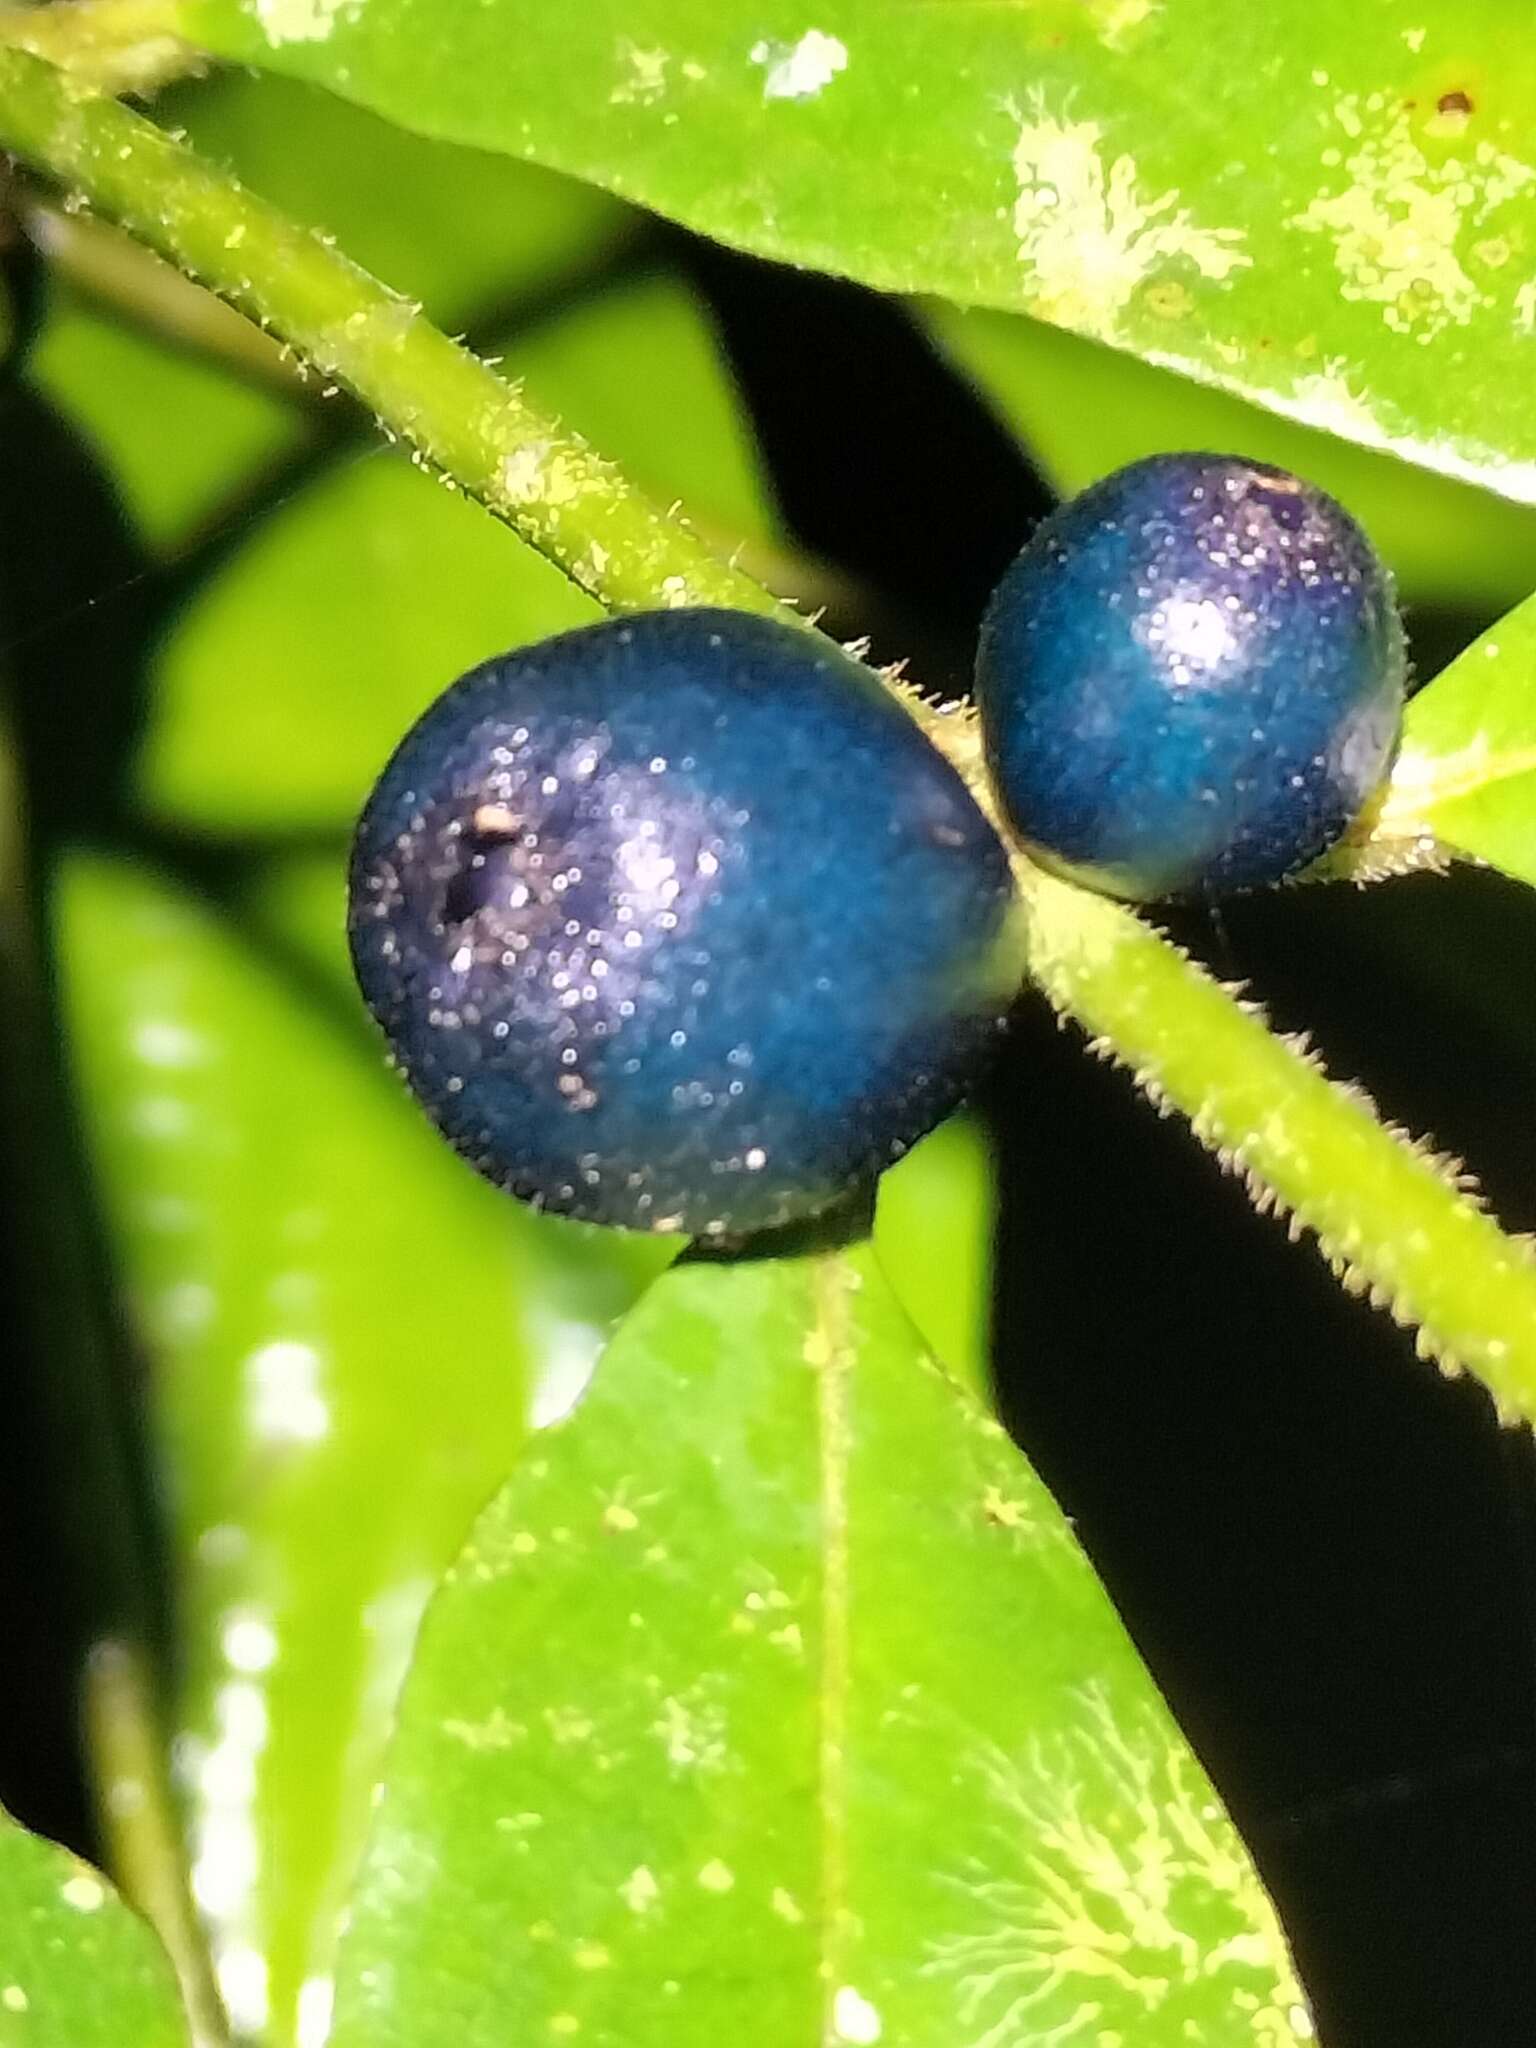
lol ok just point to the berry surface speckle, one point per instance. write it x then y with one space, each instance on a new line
1191 680
679 923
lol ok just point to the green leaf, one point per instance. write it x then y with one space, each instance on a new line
1082 410
1332 212
121 389
341 617
77 1969
465 232
935 1213
772 1701
364 595
1467 772
344 1329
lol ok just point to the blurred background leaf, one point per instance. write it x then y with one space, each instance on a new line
346 1331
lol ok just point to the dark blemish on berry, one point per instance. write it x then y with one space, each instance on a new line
680 924
1191 680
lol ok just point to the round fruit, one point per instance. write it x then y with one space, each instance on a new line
1191 679
679 922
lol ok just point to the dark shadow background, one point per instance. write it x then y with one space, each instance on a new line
1326 1550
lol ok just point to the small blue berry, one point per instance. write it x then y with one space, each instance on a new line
679 923
1191 680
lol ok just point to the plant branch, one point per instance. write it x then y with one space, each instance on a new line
463 419
1390 1217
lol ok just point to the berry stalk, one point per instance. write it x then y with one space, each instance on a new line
1389 1214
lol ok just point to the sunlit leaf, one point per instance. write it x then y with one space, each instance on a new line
772 1701
1333 211
935 1212
345 1330
1467 772
77 1969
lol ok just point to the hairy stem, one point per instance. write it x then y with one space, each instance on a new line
1389 1217
458 414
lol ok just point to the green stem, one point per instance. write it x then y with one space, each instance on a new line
1389 1217
481 432
147 1854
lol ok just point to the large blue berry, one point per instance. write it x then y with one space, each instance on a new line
680 923
1191 679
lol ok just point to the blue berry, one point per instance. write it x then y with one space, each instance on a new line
1191 680
679 923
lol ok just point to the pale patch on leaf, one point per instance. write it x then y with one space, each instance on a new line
1118 20
799 71
645 75
1398 222
1080 1927
300 21
1090 237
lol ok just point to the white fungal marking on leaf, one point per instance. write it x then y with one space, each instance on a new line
717 1876
1525 307
645 75
799 71
1004 1512
568 1725
85 1893
640 1891
854 2018
692 1733
1092 1910
497 1731
786 1906
299 21
1396 225
1117 20
1089 237
14 1999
